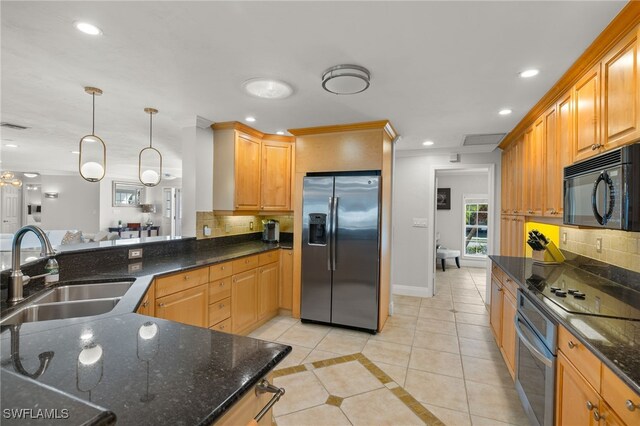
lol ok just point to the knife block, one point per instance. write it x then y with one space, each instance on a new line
550 256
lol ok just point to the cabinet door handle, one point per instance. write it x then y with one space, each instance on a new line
630 405
161 305
145 304
596 415
221 306
596 146
222 268
222 327
500 289
589 406
186 277
222 284
571 344
235 280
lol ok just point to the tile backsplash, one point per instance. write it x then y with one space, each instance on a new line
222 226
619 248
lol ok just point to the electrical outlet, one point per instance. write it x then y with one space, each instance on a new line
564 238
251 226
135 267
206 231
135 253
599 245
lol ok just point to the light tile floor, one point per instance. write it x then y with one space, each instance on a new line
439 349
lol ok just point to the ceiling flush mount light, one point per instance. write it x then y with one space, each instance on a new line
87 28
529 73
92 162
11 145
150 176
266 88
9 179
505 111
30 175
427 143
280 132
346 79
250 119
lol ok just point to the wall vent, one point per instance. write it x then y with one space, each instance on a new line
13 126
483 139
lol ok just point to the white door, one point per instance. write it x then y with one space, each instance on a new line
172 211
11 211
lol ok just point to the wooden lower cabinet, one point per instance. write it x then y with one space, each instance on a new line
244 300
577 403
147 305
285 293
268 290
188 306
501 318
243 411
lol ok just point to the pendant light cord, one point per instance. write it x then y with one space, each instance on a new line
150 129
93 118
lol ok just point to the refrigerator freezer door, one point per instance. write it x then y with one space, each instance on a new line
315 302
356 252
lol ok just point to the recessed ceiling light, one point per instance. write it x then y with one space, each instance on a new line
505 111
279 132
87 28
30 175
427 143
267 88
11 145
250 119
529 73
75 152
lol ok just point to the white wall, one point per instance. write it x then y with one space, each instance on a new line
77 205
197 173
414 195
449 222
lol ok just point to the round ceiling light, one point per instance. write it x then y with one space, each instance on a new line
529 73
346 79
87 28
280 132
505 111
267 88
30 175
427 143
250 119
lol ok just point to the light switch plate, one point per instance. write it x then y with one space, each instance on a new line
206 230
599 245
419 222
135 267
564 238
135 253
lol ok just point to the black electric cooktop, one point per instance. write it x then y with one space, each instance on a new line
580 292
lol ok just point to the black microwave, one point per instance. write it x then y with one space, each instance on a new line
604 191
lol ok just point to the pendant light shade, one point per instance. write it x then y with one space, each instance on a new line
150 159
92 162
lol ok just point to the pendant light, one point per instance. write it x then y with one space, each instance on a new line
150 176
92 162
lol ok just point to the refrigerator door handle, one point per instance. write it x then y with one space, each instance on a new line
329 231
334 227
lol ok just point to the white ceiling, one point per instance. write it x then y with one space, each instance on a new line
440 70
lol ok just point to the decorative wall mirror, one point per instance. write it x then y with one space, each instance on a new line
127 194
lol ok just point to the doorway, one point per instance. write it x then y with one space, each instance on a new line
11 209
172 211
462 225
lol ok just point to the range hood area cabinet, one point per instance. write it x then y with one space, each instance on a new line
251 169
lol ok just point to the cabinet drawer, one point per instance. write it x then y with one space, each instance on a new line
620 397
246 263
509 285
224 326
580 356
220 289
182 281
268 257
497 272
221 270
219 311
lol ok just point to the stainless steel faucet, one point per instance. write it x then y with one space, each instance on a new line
17 279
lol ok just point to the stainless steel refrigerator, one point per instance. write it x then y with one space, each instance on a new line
341 250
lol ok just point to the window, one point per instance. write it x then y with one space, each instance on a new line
476 221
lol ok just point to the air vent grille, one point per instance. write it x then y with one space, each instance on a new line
612 158
13 126
483 139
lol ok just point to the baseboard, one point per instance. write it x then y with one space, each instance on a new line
409 290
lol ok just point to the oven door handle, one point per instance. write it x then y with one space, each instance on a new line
534 351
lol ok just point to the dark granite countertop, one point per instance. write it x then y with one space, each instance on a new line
614 341
150 371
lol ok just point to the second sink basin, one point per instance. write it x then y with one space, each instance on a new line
86 292
61 310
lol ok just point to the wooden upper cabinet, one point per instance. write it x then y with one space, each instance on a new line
534 169
247 172
505 200
586 110
251 169
621 93
552 168
560 154
276 175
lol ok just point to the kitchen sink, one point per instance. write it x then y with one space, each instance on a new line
61 310
86 292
